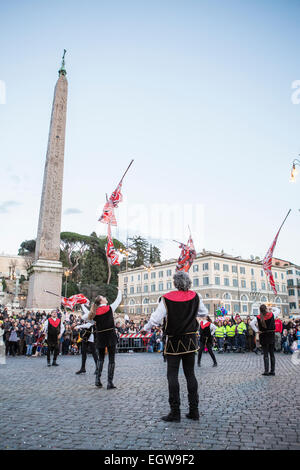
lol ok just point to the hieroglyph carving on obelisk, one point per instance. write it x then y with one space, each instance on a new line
46 271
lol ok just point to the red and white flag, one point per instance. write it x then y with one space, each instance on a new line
111 254
267 261
187 256
108 214
73 300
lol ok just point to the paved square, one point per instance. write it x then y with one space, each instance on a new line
52 408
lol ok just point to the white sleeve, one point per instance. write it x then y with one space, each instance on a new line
117 302
275 311
45 327
86 312
212 328
157 317
254 325
62 328
84 325
202 310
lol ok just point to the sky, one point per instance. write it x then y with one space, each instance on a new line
199 93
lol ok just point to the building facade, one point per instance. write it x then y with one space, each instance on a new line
239 285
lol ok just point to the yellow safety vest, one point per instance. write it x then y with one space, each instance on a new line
220 332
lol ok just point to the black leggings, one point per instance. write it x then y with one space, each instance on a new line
84 350
52 348
209 347
111 354
268 350
188 364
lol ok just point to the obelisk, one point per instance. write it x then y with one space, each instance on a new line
46 270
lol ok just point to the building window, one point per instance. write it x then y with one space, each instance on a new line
146 301
292 305
225 267
139 289
205 280
169 272
283 288
146 276
245 308
253 285
252 272
196 282
290 283
217 280
291 291
227 296
263 285
236 308
217 266
243 284
145 288
205 266
161 274
275 275
161 286
226 281
282 277
169 285
152 287
139 277
234 269
235 283
195 268
126 279
131 290
153 275
242 270
261 273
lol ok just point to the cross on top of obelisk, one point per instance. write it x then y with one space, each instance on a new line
62 70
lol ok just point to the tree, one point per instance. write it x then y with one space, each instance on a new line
73 246
154 256
139 252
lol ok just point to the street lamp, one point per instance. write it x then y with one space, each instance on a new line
67 274
294 170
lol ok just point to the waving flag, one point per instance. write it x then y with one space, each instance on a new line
108 216
187 256
111 254
267 261
73 300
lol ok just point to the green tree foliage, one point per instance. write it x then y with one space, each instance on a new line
141 253
154 255
27 248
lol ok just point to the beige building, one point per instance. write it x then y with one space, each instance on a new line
239 285
10 265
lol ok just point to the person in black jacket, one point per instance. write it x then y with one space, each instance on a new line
180 308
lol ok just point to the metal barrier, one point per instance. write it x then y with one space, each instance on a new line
133 342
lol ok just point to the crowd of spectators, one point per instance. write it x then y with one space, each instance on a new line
23 334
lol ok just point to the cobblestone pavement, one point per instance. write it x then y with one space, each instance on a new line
52 408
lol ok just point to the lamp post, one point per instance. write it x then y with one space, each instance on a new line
67 274
294 171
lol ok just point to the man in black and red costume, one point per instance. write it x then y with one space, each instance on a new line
180 308
106 337
53 328
264 324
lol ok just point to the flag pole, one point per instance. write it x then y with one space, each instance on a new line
284 220
108 263
127 169
48 292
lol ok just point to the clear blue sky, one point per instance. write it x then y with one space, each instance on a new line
197 92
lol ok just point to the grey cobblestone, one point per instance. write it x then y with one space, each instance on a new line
52 408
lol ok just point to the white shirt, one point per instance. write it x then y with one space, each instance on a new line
160 313
254 323
86 325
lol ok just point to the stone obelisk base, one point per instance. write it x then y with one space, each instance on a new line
44 275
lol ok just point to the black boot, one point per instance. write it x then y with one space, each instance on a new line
48 364
81 371
110 376
215 364
174 415
193 414
266 364
98 373
54 363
